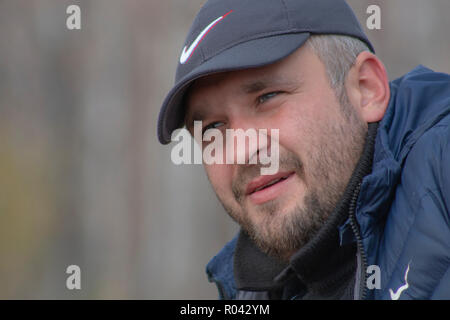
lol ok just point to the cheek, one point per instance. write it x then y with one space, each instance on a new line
303 118
220 177
293 123
303 124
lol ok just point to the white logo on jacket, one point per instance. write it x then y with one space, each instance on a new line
396 295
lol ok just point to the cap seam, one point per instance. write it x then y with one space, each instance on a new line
286 13
202 53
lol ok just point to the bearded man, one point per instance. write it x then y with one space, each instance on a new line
364 165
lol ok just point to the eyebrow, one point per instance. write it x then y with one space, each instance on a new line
262 84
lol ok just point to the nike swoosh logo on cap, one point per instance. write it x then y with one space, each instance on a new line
187 52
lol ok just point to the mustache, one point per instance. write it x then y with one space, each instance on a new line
246 173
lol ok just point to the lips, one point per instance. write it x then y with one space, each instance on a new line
263 182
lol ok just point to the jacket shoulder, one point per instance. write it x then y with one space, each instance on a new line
220 270
418 225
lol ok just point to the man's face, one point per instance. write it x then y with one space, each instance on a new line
318 145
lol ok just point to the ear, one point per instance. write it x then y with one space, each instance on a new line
367 87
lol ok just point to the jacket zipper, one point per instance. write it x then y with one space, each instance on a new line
356 232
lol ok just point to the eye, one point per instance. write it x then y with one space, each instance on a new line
263 98
212 125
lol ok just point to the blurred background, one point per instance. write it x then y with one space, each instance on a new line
83 179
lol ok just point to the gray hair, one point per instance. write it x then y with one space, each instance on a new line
338 53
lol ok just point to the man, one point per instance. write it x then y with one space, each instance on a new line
359 208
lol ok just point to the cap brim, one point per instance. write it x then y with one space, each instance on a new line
250 54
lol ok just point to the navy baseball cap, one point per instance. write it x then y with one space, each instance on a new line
232 35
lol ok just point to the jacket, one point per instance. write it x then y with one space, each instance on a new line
403 207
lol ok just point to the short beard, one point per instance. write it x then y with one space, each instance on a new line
293 230
334 159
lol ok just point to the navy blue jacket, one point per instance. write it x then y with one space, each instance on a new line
403 208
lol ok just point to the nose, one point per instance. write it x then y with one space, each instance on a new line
245 141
